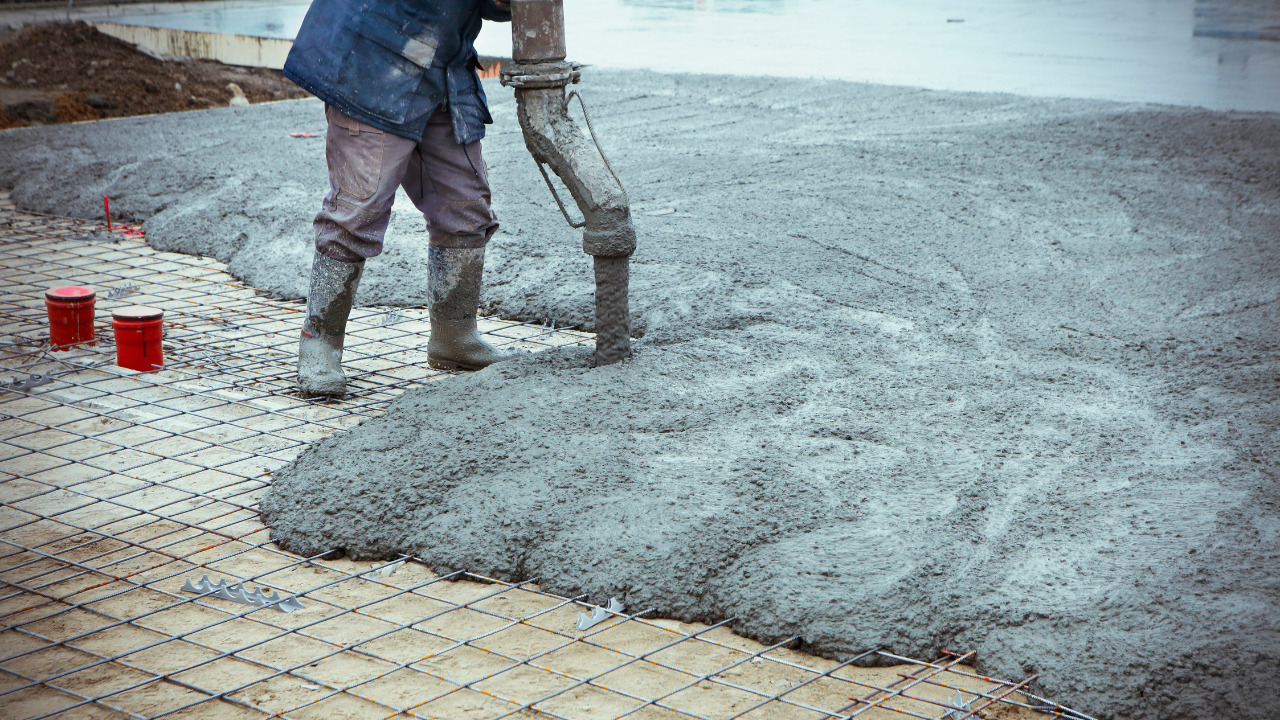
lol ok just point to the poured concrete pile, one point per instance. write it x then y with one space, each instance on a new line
919 369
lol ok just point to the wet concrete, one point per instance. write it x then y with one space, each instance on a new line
920 369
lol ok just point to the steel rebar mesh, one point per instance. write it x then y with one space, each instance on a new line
119 487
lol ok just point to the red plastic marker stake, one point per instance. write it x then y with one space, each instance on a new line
302 135
106 206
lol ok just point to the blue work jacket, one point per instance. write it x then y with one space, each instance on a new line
391 63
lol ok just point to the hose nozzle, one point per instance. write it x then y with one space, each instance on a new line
540 76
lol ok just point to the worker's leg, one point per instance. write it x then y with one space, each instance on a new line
365 168
450 185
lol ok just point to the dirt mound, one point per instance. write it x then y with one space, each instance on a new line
66 72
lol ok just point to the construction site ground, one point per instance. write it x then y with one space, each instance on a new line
121 487
68 72
917 370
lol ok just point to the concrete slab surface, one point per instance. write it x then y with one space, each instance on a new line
121 491
918 369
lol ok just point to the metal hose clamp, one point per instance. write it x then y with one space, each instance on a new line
541 75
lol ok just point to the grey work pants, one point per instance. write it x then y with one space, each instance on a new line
447 181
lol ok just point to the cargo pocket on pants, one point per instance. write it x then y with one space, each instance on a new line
354 152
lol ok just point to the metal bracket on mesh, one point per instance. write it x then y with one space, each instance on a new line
959 706
392 317
121 292
238 593
25 384
599 615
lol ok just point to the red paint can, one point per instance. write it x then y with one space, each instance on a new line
70 315
139 330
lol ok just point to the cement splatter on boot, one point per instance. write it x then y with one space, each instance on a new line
333 290
456 343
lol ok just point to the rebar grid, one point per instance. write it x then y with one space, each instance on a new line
118 486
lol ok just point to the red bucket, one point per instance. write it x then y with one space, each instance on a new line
70 315
139 330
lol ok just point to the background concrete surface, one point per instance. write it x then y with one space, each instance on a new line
918 369
1219 54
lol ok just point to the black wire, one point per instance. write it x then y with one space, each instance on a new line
448 107
473 165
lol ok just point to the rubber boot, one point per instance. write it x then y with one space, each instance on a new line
456 343
333 290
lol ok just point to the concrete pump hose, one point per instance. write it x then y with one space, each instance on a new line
613 317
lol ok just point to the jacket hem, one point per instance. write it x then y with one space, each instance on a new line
329 96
